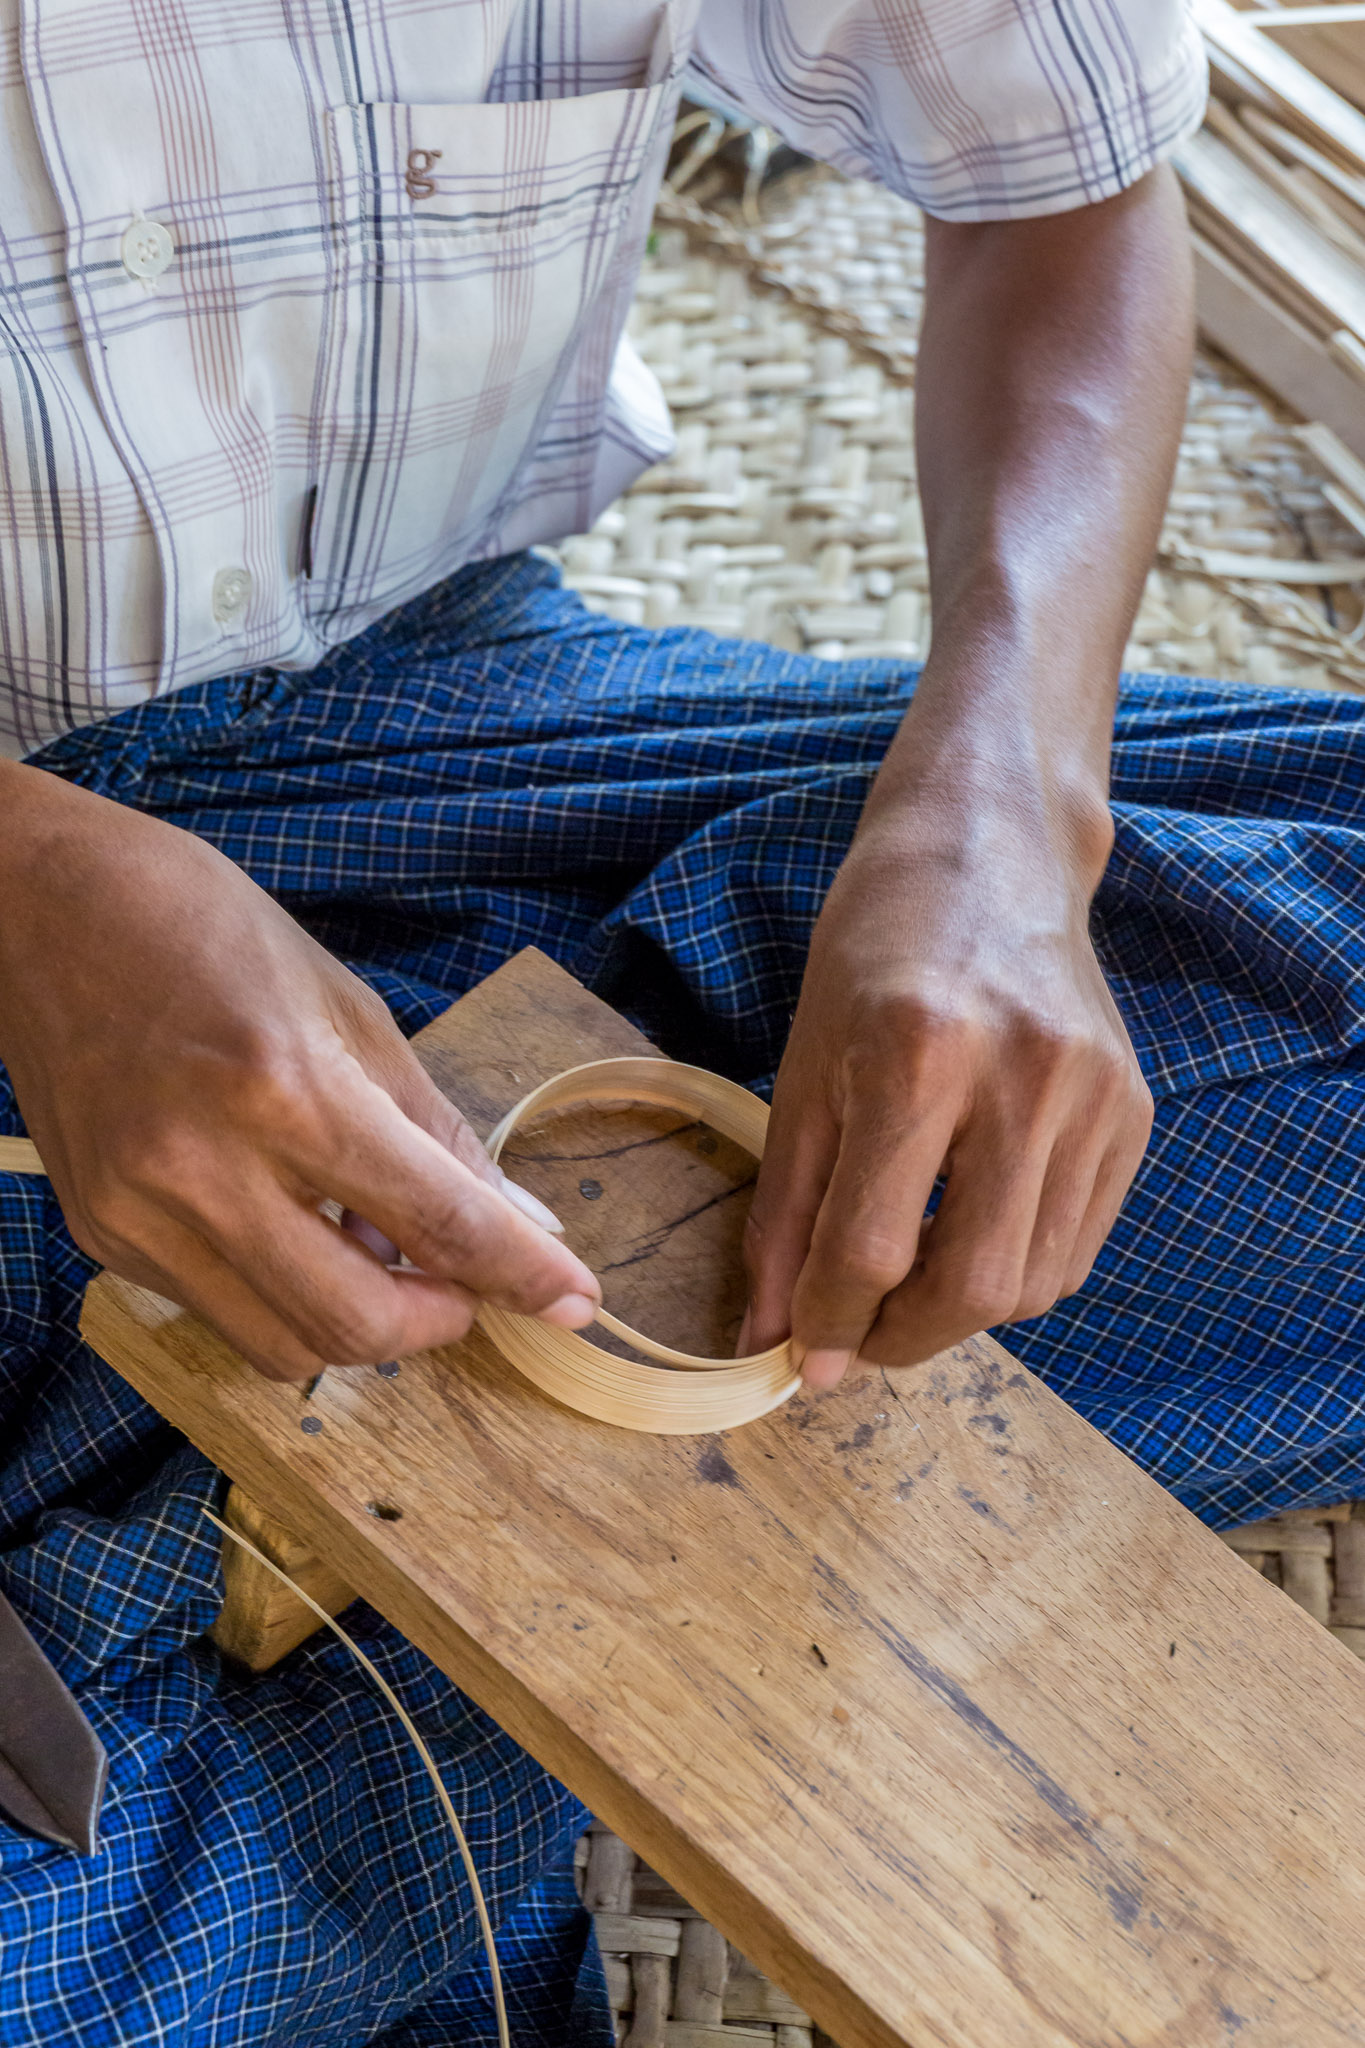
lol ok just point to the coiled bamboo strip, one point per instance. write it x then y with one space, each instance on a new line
694 1395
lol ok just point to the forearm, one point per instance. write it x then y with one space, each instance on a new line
1053 368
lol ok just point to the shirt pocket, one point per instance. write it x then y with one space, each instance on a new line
475 246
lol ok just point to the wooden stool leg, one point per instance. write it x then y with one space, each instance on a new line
262 1620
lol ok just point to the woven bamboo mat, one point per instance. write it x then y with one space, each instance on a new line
789 512
785 342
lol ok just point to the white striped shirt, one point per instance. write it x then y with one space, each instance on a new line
307 302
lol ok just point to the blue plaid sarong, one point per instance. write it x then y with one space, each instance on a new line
494 766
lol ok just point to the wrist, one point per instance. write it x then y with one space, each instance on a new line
1002 746
968 803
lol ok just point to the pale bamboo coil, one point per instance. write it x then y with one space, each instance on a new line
695 1395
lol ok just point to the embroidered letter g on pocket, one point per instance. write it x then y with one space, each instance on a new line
419 183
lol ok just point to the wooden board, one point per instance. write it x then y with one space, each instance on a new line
1252 60
957 1725
261 1619
1248 325
1274 230
1335 54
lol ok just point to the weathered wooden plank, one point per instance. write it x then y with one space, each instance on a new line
950 1719
1248 325
1288 86
261 1619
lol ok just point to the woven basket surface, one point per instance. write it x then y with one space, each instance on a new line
785 342
789 512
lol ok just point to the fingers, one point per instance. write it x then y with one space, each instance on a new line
185 1270
802 1146
1088 1175
1112 1183
232 1227
316 1295
451 1222
1063 1203
974 1255
1008 1240
338 1299
867 1232
387 1058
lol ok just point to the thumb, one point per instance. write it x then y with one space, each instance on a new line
392 1064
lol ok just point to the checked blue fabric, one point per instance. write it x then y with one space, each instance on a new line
493 766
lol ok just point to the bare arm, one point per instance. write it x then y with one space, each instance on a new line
953 1017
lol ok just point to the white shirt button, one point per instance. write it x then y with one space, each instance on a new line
146 248
231 595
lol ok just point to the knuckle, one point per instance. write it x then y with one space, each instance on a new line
360 1336
755 1242
107 1218
159 1159
439 1236
1144 1107
530 1292
1034 1300
284 1363
88 1235
1079 1270
870 1265
276 1088
270 1095
459 1321
981 1292
1051 1046
911 1022
752 1247
460 1138
370 1009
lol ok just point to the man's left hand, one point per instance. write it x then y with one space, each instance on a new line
953 1020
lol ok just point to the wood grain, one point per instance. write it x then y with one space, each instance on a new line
1274 230
947 1716
1251 327
261 1620
1303 101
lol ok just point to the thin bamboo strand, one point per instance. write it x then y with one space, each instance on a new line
1305 17
419 1744
695 1396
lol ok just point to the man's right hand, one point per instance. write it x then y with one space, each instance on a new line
200 1077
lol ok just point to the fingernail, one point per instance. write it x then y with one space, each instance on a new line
824 1368
570 1312
521 1199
